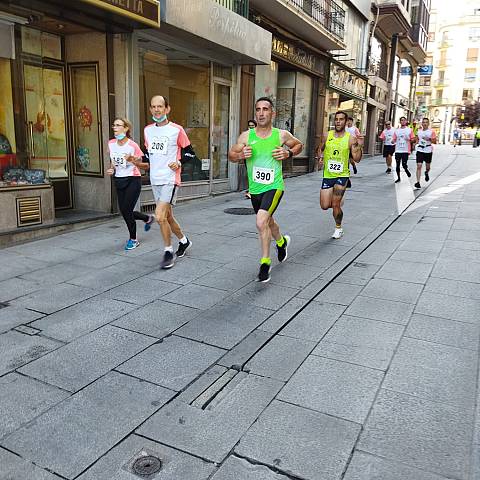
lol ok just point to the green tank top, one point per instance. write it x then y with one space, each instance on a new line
264 172
336 156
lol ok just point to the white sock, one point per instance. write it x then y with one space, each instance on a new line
183 240
169 249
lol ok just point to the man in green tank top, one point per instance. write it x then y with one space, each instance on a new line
263 149
334 153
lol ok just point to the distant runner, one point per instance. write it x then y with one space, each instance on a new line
403 138
424 139
388 145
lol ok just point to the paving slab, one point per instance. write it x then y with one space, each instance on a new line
82 318
361 271
443 331
22 399
82 361
378 309
50 300
460 255
176 465
393 290
295 275
278 319
196 296
469 271
263 295
336 388
19 349
14 467
17 287
372 256
300 442
413 245
320 254
436 372
212 433
235 468
368 467
55 274
462 245
450 307
361 341
68 438
272 360
339 293
157 319
225 278
173 363
405 270
431 436
314 321
11 317
450 287
224 325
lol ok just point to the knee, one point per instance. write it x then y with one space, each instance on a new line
324 206
262 224
161 217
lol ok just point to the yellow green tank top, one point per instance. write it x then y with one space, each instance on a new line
264 172
336 156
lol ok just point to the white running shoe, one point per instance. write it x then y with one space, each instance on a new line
338 233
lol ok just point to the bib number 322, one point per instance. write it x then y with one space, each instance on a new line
263 175
335 167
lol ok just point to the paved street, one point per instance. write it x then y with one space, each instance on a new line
358 361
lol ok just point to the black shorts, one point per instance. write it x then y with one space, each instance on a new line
388 150
401 156
424 157
330 182
268 201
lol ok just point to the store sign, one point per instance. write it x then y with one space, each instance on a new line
405 70
144 11
205 164
298 56
425 69
346 81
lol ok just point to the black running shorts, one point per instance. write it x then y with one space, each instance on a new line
424 157
268 201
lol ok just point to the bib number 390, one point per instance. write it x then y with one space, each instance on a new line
335 167
263 175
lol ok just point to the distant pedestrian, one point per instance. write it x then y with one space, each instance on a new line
125 162
403 138
388 145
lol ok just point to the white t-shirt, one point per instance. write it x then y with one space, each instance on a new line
164 145
402 139
118 157
353 131
425 138
387 136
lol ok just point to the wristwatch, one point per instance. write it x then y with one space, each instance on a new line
290 153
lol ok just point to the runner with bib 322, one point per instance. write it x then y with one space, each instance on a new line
263 149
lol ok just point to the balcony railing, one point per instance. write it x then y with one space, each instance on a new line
441 82
237 6
378 70
326 12
438 101
442 63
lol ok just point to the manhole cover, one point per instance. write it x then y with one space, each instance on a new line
146 466
240 211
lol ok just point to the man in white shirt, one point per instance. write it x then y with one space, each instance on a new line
164 141
403 138
388 145
424 139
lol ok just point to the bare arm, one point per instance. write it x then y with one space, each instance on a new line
294 146
355 149
240 150
320 149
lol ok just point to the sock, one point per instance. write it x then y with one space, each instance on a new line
281 242
183 240
338 226
169 249
265 260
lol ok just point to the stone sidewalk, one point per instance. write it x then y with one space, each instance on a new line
358 361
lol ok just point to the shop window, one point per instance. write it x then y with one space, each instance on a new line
472 54
186 84
470 74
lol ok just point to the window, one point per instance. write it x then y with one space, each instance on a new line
439 94
470 74
431 36
444 36
472 54
474 34
425 81
441 75
467 94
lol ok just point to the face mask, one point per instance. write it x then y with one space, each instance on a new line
120 136
159 119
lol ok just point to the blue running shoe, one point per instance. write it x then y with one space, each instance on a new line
148 224
131 244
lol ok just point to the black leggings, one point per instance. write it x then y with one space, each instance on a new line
128 191
401 157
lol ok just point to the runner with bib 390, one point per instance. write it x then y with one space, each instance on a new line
263 149
336 150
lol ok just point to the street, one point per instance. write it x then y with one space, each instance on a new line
357 361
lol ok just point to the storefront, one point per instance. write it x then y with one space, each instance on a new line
347 91
57 76
376 112
295 80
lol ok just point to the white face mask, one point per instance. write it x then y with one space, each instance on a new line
120 136
159 119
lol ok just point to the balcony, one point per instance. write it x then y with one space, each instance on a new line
393 16
378 70
237 6
442 63
438 101
419 39
441 82
320 22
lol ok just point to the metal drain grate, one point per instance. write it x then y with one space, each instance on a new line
240 211
146 466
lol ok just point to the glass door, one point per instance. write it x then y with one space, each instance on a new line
220 130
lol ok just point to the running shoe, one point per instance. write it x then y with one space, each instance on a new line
407 171
397 180
427 177
338 233
131 244
182 248
148 223
354 167
388 170
417 185
168 260
264 273
282 251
